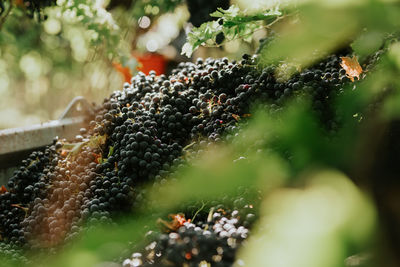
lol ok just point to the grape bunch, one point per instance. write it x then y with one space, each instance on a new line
27 184
57 216
140 134
154 118
212 240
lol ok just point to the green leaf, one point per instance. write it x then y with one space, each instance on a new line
235 25
217 14
188 49
110 151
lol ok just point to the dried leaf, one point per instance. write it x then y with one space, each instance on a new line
77 148
352 67
71 149
236 117
3 189
64 153
177 221
97 141
97 158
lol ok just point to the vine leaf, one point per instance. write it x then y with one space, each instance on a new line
231 24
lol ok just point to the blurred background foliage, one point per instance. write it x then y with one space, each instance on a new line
333 202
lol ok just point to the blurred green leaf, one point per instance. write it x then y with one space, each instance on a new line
220 171
101 244
313 226
367 43
337 26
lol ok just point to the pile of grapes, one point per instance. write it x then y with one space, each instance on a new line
137 137
212 241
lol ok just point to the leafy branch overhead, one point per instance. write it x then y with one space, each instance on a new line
231 24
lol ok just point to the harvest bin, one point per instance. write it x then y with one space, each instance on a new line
17 143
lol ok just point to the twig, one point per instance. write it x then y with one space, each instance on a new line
188 146
210 215
197 212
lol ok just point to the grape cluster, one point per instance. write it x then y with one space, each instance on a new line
58 215
139 135
211 240
155 117
200 10
27 183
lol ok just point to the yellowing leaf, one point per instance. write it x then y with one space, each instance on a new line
352 67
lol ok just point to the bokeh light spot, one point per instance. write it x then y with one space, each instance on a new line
144 22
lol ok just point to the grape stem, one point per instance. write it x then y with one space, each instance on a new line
188 146
197 212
